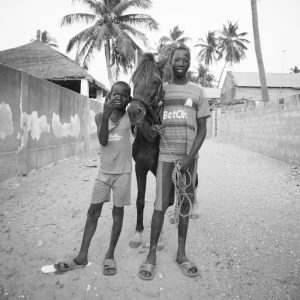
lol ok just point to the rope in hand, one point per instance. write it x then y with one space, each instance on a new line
179 179
180 182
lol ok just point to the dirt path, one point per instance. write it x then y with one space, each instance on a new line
246 241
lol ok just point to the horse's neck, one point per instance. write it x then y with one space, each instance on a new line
143 130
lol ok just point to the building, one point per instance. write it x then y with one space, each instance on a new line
240 87
213 95
42 61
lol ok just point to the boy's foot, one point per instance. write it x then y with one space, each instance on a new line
188 268
109 267
146 271
62 267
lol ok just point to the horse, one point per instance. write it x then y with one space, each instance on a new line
145 116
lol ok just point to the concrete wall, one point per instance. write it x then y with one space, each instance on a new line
254 94
269 128
41 122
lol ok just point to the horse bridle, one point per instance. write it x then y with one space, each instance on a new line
153 104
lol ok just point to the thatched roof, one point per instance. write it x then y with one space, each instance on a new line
40 60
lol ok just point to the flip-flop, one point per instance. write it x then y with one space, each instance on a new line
51 268
109 267
147 268
185 267
62 267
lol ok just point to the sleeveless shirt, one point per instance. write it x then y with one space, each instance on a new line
115 157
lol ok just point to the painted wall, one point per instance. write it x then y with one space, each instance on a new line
40 122
271 129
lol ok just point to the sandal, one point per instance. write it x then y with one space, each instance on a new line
146 268
62 267
186 267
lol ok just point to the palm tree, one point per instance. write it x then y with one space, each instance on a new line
209 50
232 45
295 70
201 76
261 68
110 28
167 44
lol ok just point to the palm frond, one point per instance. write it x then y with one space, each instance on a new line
134 33
126 4
165 40
77 17
139 19
92 4
78 38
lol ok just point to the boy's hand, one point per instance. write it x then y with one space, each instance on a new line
184 164
108 105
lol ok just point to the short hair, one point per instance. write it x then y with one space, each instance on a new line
123 84
180 47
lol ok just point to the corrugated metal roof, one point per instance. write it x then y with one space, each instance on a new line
251 79
40 60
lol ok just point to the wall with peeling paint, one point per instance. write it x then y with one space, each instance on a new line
41 122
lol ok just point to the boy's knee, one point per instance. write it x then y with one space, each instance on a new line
94 212
118 211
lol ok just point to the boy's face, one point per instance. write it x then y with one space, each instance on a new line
180 62
121 96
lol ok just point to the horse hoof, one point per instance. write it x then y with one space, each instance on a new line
136 241
134 244
160 246
194 216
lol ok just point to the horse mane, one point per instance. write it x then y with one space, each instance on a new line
145 69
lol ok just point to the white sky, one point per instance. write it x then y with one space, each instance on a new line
278 20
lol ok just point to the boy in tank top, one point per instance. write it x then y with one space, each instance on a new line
113 130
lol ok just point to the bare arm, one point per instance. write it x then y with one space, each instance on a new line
201 134
103 119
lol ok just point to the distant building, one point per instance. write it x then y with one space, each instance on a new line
213 95
239 87
42 61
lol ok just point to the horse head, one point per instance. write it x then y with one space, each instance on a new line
147 82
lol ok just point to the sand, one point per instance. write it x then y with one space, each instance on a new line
246 241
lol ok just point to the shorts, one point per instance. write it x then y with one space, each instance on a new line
165 189
120 184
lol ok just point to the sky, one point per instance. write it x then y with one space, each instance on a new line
279 26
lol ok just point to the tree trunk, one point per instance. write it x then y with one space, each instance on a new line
261 68
222 74
107 58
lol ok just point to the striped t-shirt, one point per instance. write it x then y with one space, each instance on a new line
183 104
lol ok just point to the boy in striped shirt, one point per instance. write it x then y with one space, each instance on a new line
184 130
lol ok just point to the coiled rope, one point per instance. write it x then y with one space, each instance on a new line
181 181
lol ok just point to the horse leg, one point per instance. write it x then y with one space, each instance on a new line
141 176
